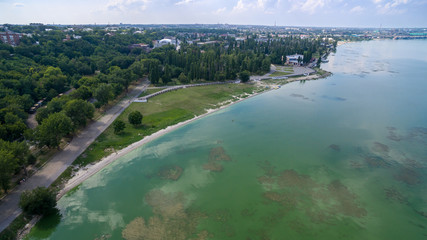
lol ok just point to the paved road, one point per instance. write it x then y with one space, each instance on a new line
9 208
265 76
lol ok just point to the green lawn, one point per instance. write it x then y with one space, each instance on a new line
282 71
162 111
277 74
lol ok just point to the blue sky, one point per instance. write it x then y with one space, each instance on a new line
338 13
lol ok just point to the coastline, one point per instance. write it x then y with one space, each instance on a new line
86 172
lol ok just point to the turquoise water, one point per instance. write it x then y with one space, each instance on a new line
338 158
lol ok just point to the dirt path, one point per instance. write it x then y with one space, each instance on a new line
9 208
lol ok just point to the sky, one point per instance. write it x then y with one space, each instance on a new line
316 13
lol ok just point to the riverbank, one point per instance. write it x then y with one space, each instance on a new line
82 173
86 172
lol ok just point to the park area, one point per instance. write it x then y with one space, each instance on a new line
163 111
282 71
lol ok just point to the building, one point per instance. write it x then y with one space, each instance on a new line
166 41
144 47
295 59
10 38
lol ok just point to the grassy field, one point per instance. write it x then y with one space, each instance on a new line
162 111
282 71
278 74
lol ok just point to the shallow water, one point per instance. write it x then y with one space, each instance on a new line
338 158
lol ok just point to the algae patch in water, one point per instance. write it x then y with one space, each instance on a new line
216 155
335 147
321 203
171 220
170 172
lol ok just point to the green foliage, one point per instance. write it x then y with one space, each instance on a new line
103 93
53 129
135 118
79 111
7 168
119 126
183 78
42 113
39 201
244 76
11 232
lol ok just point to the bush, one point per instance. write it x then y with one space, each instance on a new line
244 76
39 201
119 126
135 118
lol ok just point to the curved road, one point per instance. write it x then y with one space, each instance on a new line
9 208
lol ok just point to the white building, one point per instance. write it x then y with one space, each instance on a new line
166 41
295 59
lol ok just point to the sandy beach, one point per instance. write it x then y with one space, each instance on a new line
86 172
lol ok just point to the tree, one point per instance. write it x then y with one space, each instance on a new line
39 201
244 76
154 74
79 111
182 78
82 92
103 93
7 168
119 126
19 150
53 129
53 79
42 114
135 118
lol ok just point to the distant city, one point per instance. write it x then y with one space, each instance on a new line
11 34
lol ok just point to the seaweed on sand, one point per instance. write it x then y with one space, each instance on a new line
394 195
345 200
170 172
408 176
335 147
321 202
375 161
216 155
380 148
171 220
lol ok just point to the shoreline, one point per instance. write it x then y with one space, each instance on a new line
88 171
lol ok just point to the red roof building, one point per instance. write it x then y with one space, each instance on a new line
10 38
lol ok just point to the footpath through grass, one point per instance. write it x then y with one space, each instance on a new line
160 112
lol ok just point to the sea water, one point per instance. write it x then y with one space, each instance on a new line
338 158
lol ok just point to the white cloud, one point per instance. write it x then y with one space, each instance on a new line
261 5
391 7
266 4
357 9
309 6
125 5
183 2
18 5
220 10
240 6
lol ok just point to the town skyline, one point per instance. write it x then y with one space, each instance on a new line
314 13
